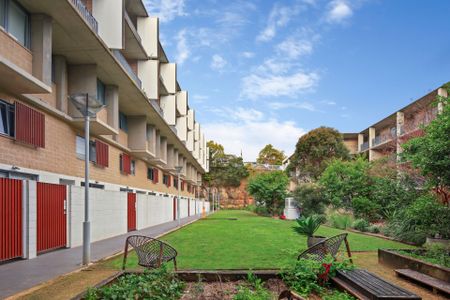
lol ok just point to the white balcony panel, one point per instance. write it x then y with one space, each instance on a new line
190 141
191 119
196 131
168 104
182 101
148 73
182 128
169 76
109 16
196 152
148 29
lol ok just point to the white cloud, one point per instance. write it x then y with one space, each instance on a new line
294 105
183 50
218 62
292 47
166 10
251 136
276 85
338 11
248 54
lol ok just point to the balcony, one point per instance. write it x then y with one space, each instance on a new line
134 48
127 67
86 15
381 139
364 146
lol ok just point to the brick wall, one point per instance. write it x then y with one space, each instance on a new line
59 156
15 52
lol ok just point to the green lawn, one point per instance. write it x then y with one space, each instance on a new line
248 242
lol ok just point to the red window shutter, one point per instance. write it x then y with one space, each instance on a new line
102 154
155 175
126 163
168 180
30 126
182 185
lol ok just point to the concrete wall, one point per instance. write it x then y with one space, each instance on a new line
168 105
169 76
153 210
148 29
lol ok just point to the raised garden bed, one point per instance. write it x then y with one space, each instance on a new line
396 260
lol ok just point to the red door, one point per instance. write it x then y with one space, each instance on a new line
10 218
174 208
51 216
131 212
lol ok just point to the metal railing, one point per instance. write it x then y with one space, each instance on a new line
381 139
127 67
86 14
364 146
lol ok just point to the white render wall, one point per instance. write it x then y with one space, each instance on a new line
109 15
148 30
153 210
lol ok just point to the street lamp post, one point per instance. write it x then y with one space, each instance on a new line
88 107
178 169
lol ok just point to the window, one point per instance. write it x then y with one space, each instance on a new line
123 122
166 180
125 163
6 118
101 94
80 149
150 174
133 167
175 182
15 20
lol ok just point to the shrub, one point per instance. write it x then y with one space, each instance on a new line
253 290
340 220
157 284
310 199
365 208
269 190
361 225
308 226
262 211
373 229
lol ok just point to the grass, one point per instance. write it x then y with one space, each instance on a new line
250 242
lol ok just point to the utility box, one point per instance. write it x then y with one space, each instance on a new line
291 210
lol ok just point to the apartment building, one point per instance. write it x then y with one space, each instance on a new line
384 138
110 50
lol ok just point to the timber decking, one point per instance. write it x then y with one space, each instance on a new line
434 283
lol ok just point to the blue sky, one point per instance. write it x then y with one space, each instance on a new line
263 71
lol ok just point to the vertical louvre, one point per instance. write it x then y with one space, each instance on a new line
182 185
168 180
126 163
10 218
102 154
131 215
30 126
51 216
155 175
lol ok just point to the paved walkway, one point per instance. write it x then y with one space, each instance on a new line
24 274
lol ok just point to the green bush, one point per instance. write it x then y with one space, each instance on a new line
308 226
435 254
373 229
310 199
361 225
158 284
365 208
425 217
340 220
252 290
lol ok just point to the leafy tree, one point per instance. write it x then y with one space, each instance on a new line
315 149
430 153
269 189
270 155
224 169
310 199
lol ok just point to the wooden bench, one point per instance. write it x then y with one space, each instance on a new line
365 285
436 284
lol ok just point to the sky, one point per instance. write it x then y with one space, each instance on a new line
260 71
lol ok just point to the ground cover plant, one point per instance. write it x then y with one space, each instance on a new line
250 242
434 254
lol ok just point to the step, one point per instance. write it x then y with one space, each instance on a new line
434 283
372 286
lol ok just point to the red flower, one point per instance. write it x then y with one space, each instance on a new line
323 277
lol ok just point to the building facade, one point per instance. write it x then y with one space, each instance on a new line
384 138
51 51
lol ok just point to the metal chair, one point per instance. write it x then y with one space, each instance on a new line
329 246
151 252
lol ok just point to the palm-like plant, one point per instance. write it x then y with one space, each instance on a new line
308 226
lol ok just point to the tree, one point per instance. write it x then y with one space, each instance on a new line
269 189
310 199
430 153
315 149
224 169
271 156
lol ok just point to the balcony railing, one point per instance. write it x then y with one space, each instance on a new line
381 139
133 28
86 14
364 146
127 67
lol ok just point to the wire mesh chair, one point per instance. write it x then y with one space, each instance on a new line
330 246
151 252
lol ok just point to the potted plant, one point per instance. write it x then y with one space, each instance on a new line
308 226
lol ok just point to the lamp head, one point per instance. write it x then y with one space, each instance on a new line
86 105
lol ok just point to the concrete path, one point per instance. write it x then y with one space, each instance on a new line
24 274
